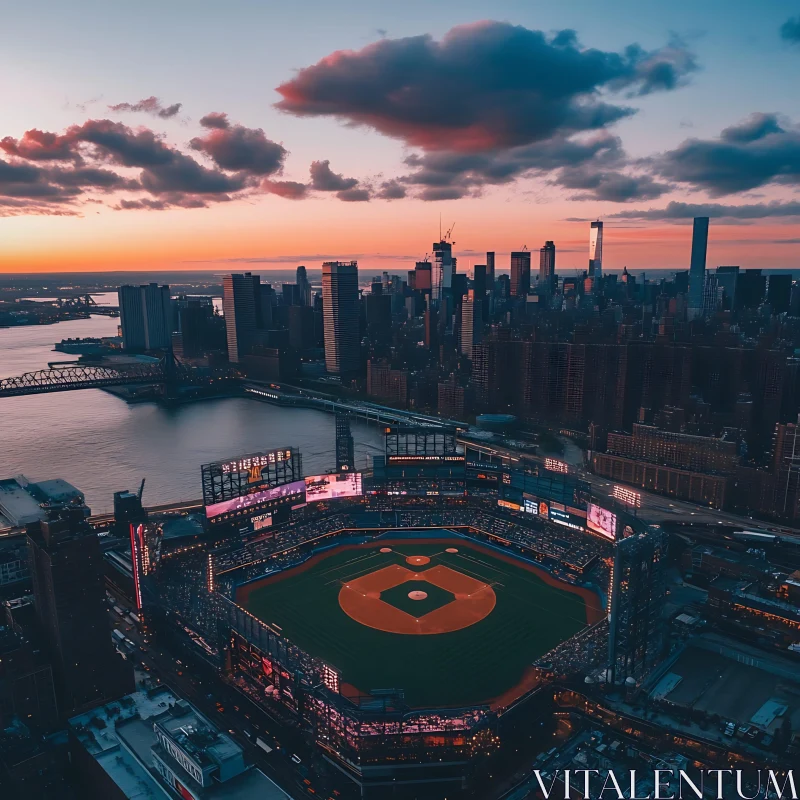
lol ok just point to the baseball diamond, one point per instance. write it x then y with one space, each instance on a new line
451 626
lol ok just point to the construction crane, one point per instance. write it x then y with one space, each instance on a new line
141 489
447 234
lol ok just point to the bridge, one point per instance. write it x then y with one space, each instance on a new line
95 376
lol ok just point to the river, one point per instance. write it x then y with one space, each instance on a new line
101 444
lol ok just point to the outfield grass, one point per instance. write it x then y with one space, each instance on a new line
473 665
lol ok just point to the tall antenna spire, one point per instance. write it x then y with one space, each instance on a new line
440 226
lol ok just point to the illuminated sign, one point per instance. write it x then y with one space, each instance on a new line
255 463
262 521
331 487
554 465
627 496
530 506
508 504
253 500
401 459
137 544
564 518
601 521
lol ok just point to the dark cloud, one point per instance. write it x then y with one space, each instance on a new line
684 211
324 179
790 30
235 147
755 127
150 105
183 174
143 204
354 195
36 145
29 181
433 193
391 190
173 176
484 86
609 185
754 153
121 145
216 119
92 177
175 200
291 190
591 162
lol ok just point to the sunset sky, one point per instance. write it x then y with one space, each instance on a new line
255 135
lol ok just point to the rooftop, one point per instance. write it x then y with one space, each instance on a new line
17 505
121 735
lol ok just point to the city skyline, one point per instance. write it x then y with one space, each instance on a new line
272 154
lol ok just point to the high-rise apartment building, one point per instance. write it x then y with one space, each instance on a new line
596 250
69 590
422 276
240 295
471 322
697 266
341 317
547 266
145 317
520 273
635 640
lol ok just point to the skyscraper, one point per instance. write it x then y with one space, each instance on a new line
480 287
239 296
490 270
596 250
471 322
547 266
345 455
145 317
697 267
444 268
303 286
69 591
520 273
340 316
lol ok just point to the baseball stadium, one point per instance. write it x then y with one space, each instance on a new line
409 618
448 621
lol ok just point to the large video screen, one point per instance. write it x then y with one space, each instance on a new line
237 477
331 487
602 521
255 499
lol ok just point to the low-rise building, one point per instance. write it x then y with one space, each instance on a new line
151 744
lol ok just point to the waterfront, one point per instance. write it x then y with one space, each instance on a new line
101 444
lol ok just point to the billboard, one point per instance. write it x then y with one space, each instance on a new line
530 506
255 501
601 521
331 487
566 518
261 521
226 480
511 506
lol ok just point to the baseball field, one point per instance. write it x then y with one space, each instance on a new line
450 622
